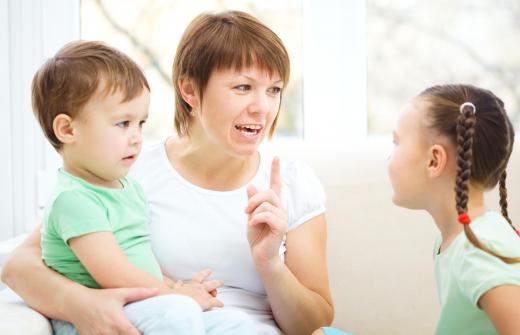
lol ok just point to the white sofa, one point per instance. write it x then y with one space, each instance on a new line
380 256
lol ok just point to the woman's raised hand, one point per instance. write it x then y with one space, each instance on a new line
267 219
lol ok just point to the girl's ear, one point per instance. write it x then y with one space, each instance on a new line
63 128
189 92
437 160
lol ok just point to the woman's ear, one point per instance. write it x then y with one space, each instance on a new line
63 128
189 92
437 160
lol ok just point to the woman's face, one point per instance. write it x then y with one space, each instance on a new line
238 109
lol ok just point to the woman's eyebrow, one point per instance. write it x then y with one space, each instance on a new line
252 79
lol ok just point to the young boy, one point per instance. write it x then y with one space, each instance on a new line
91 102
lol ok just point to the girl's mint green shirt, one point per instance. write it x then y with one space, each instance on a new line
77 208
464 273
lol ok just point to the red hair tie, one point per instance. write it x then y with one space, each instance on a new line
464 218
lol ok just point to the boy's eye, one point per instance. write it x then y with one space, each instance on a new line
243 88
275 90
123 124
141 123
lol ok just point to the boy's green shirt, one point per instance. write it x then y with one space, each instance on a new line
77 208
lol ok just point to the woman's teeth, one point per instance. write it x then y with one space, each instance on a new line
249 128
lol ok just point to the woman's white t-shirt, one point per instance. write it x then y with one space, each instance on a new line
193 228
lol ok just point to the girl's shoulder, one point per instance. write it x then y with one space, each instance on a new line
493 230
477 271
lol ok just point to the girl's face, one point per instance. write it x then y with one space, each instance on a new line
238 109
407 165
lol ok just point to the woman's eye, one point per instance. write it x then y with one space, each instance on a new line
275 90
123 124
243 88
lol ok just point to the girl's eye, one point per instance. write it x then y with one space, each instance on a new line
243 88
123 124
275 90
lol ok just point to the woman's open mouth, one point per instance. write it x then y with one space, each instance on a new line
249 129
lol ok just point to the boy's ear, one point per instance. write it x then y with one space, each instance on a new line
189 92
63 128
437 160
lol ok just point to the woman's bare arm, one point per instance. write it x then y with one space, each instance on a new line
298 289
91 311
40 287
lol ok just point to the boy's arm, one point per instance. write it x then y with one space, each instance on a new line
502 305
168 281
106 262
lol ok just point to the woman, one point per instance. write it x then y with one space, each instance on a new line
267 242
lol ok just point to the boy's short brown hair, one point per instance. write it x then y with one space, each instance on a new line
65 82
227 40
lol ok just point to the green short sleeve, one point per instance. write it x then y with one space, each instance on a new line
480 271
78 212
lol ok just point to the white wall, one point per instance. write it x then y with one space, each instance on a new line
30 32
380 256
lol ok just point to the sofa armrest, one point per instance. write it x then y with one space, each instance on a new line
17 318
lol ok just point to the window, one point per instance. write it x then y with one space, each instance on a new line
30 32
416 44
149 31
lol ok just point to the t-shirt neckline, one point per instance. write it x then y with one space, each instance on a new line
187 183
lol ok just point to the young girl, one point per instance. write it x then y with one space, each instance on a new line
451 145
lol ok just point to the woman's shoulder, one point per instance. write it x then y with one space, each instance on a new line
292 172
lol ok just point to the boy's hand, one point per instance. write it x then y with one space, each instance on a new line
204 292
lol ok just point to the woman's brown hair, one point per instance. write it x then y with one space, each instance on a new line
227 40
483 135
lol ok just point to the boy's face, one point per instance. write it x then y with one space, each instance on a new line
108 138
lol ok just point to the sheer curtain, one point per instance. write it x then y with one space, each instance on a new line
30 32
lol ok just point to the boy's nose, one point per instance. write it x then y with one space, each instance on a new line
136 137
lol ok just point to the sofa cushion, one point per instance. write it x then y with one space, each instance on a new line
17 318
